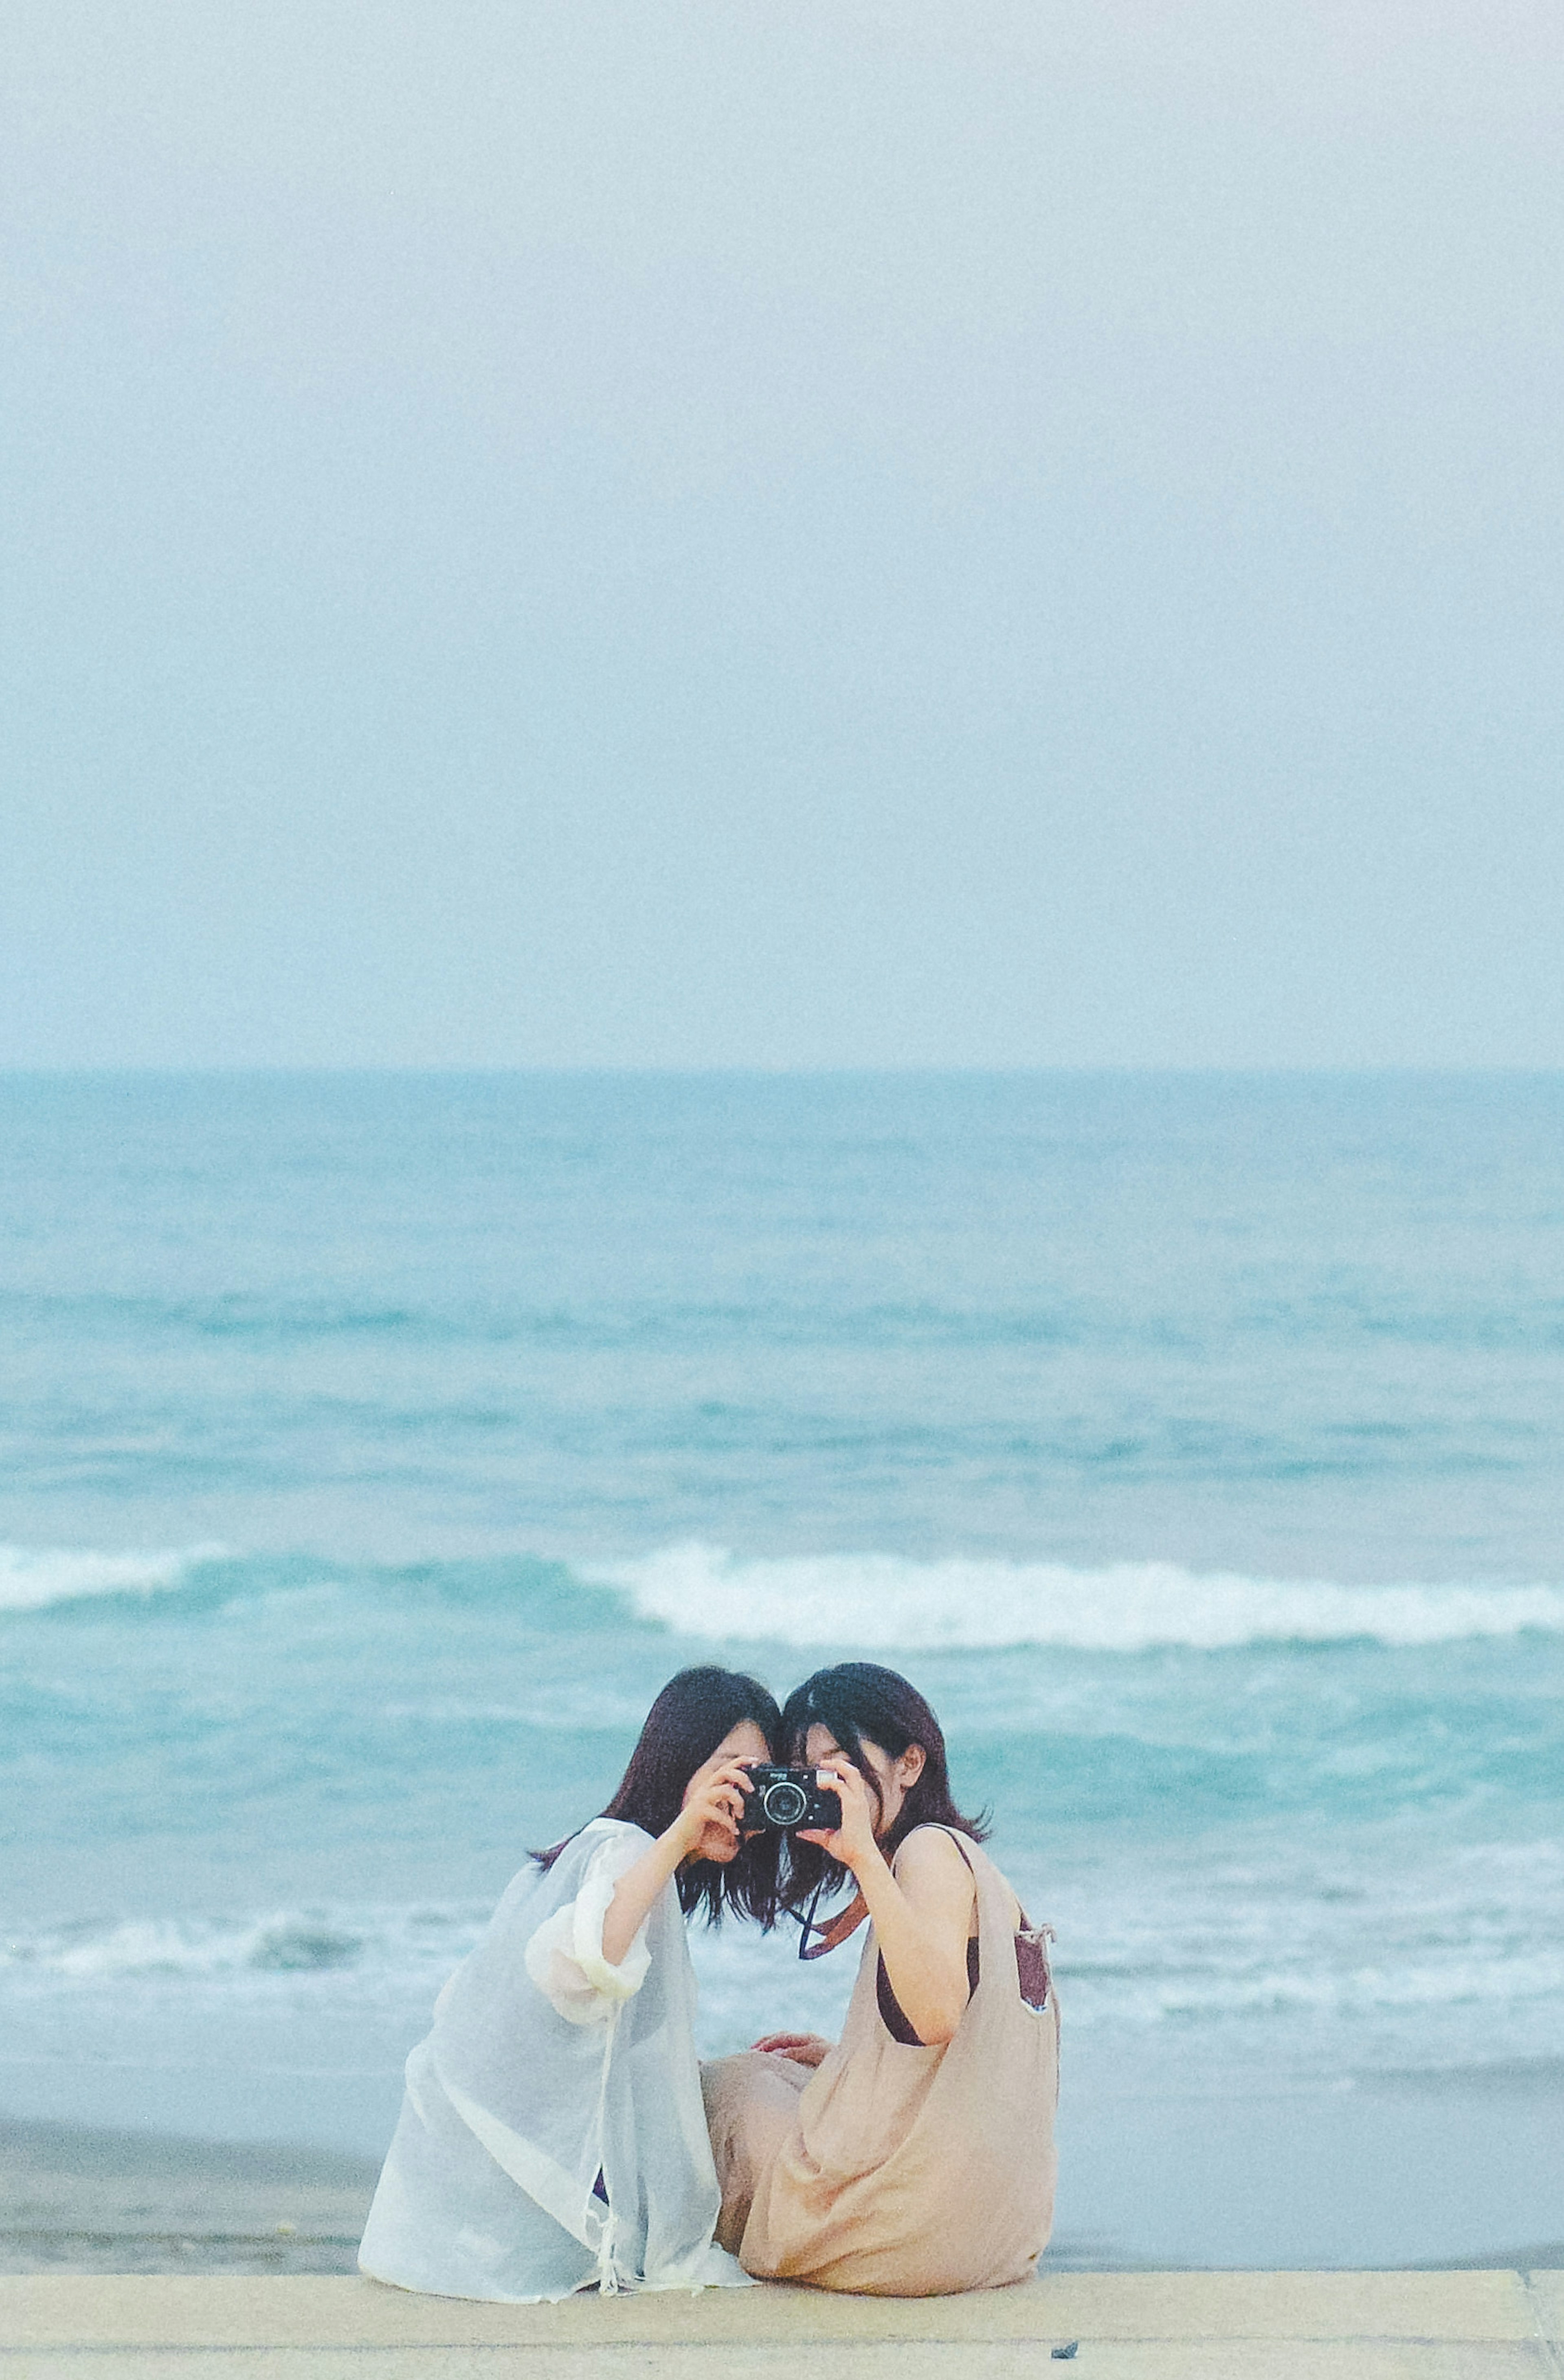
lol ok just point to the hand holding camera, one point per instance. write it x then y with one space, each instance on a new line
849 1836
783 1800
714 1813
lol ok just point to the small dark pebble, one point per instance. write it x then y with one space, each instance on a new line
1065 2354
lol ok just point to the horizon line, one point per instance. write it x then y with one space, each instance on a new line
754 1070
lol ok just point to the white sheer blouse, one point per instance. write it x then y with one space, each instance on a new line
552 2132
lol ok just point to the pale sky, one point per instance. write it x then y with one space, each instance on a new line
818 534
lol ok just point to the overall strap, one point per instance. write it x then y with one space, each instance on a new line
1034 1973
816 1939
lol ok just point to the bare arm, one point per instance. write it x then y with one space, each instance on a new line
922 1913
716 1799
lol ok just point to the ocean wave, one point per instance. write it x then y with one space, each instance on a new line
398 1942
1389 1988
31 1578
872 1602
1362 1987
883 1603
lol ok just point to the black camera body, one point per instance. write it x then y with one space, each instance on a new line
782 1799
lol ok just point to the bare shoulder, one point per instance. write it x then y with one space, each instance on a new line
929 1866
928 1863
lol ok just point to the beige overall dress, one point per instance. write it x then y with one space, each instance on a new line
893 2169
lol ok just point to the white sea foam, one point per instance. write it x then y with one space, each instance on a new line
883 1603
33 1577
374 1941
1190 1973
1390 1959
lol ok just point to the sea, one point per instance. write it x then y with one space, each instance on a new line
374 1447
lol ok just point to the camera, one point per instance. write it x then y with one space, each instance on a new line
782 1799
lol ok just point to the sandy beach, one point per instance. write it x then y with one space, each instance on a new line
75 2200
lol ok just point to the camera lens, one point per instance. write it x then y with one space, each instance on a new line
784 1802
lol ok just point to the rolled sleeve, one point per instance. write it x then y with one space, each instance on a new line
564 1956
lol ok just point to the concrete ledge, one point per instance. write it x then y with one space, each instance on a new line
1126 2326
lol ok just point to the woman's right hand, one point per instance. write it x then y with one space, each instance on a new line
852 1843
803 2049
709 1826
711 1822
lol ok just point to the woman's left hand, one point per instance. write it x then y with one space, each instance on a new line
803 2049
853 1841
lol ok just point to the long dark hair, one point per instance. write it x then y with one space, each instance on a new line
693 1715
859 1701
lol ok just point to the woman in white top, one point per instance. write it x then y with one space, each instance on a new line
551 2134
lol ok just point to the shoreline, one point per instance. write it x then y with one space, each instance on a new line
78 2200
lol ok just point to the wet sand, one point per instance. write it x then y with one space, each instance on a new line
73 2200
78 2200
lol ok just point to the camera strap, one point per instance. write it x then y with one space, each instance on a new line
836 1930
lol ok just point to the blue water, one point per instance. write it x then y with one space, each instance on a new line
372 1448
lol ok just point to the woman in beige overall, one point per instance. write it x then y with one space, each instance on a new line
916 2156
